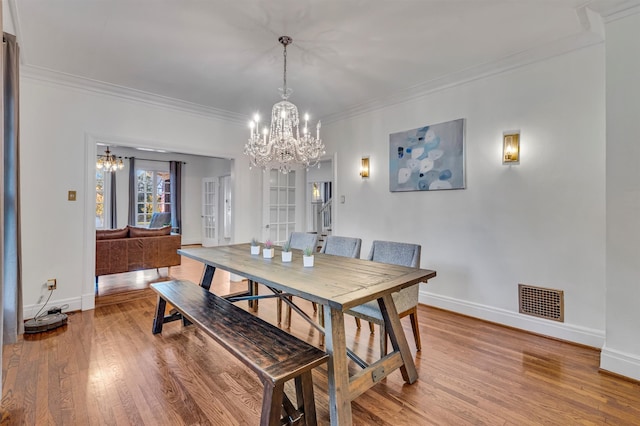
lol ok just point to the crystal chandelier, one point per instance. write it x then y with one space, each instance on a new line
109 162
283 147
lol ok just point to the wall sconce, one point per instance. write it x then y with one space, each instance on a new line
511 147
364 168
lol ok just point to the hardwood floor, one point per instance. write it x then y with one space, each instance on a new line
105 367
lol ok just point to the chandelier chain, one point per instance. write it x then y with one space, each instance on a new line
284 84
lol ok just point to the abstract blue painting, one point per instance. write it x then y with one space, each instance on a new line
428 158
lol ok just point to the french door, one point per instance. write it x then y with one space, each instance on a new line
210 212
279 212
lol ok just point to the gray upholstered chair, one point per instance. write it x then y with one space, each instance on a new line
158 220
339 246
302 240
342 246
298 241
406 300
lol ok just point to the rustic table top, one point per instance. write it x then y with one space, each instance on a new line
339 282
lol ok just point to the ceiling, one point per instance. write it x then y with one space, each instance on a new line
346 54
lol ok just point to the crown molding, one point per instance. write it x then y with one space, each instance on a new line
125 93
617 10
591 34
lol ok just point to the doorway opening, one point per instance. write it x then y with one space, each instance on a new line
152 196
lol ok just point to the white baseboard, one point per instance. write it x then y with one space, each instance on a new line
88 301
568 332
621 363
75 304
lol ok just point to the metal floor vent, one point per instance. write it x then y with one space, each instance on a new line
541 302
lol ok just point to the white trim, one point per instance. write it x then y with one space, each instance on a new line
582 335
89 240
619 362
622 10
126 93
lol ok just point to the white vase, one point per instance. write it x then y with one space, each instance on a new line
286 256
255 249
267 253
307 261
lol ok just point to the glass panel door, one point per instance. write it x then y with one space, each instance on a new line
280 206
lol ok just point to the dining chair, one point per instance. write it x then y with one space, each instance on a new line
339 246
342 246
302 240
406 300
298 241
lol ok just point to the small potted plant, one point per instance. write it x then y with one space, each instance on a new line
286 252
307 257
267 251
255 247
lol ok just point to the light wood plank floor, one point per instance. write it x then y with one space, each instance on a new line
106 368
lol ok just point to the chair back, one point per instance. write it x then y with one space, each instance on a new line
158 220
342 246
404 254
302 240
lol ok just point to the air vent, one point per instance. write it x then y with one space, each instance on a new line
541 302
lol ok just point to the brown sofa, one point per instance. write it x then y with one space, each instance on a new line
133 249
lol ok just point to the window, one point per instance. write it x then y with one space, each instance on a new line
153 194
103 193
100 200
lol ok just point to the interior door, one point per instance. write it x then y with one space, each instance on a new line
226 215
279 212
210 212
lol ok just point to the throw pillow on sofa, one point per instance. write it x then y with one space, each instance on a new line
111 234
135 232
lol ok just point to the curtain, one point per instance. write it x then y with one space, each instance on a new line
113 220
132 191
10 263
175 177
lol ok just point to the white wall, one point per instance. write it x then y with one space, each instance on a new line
621 353
540 222
60 126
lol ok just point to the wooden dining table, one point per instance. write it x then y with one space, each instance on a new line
337 284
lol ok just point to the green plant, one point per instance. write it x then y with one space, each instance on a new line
268 244
308 251
254 242
286 247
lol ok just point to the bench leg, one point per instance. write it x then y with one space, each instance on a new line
271 404
207 276
305 398
252 290
161 305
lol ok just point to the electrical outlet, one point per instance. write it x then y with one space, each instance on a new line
51 284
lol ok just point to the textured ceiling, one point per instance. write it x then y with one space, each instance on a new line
224 54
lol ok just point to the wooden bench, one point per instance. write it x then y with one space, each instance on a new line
273 354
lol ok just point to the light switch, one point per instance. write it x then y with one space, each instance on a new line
72 195
342 200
